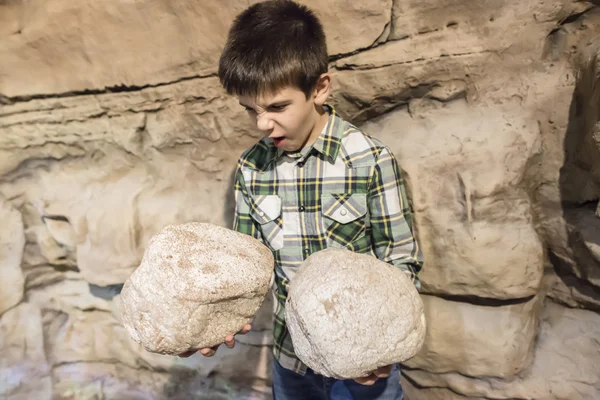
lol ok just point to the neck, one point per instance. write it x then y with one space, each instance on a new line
321 118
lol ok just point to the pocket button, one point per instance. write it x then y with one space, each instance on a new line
343 212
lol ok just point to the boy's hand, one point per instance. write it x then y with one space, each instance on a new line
210 351
381 372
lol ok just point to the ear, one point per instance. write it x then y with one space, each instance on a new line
322 89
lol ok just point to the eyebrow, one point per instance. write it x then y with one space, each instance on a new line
275 103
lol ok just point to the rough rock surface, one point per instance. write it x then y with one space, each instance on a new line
197 283
451 323
12 243
566 351
113 125
349 314
459 204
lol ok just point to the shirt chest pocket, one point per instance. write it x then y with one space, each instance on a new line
344 217
266 211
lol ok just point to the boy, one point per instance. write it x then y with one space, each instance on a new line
313 182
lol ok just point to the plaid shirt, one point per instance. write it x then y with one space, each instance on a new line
343 191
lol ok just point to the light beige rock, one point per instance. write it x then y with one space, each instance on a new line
567 201
109 381
570 290
197 283
349 314
68 296
12 243
474 224
149 160
78 46
413 392
576 249
75 337
471 339
24 371
566 363
587 117
109 160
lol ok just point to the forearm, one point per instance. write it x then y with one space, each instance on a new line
391 220
411 269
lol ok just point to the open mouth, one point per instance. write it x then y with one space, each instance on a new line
278 141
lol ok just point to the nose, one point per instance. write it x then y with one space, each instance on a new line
264 122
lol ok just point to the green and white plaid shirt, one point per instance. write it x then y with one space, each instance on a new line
343 191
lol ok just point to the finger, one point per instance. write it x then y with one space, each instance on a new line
187 354
367 380
230 342
245 329
208 352
383 372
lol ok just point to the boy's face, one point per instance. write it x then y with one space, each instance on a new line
288 117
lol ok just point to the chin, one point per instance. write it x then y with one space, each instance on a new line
291 148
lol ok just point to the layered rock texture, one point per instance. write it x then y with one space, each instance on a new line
113 125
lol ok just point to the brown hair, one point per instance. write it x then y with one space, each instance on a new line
272 45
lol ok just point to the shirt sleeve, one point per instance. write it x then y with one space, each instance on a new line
242 220
391 223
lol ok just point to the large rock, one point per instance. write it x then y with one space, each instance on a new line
12 243
24 370
576 249
567 199
121 125
471 339
80 46
147 136
565 365
196 284
349 314
463 211
582 145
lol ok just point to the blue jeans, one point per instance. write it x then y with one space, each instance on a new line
288 385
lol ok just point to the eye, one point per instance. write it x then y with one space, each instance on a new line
249 109
278 107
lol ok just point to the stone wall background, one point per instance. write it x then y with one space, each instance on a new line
113 124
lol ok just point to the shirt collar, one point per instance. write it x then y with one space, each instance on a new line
328 143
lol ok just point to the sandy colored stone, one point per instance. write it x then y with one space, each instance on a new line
67 295
471 339
567 202
582 147
413 392
463 212
197 283
97 337
157 129
152 148
576 249
78 46
349 314
12 244
570 290
24 370
566 363
109 381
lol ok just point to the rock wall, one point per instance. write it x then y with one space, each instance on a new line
113 124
